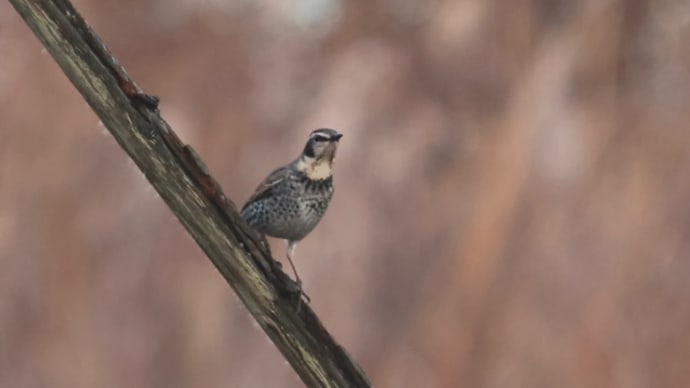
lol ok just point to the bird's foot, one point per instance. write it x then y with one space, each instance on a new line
276 265
300 295
293 288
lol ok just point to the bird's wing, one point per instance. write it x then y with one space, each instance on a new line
265 188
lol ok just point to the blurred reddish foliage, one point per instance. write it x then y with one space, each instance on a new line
511 206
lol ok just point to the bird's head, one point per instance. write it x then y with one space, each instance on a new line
318 156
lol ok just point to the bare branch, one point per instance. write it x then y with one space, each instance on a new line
191 193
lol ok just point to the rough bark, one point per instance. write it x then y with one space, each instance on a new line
183 182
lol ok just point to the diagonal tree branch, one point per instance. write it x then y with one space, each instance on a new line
192 194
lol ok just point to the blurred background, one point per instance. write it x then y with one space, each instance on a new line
511 204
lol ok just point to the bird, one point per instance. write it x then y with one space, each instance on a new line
291 201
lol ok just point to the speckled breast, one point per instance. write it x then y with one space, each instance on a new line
294 208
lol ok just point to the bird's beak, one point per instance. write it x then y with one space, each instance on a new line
336 137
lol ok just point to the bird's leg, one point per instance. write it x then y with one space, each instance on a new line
291 252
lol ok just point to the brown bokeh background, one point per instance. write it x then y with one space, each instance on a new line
512 201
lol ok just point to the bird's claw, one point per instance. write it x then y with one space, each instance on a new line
291 287
298 292
300 295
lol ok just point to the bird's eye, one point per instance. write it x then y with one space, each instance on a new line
320 139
